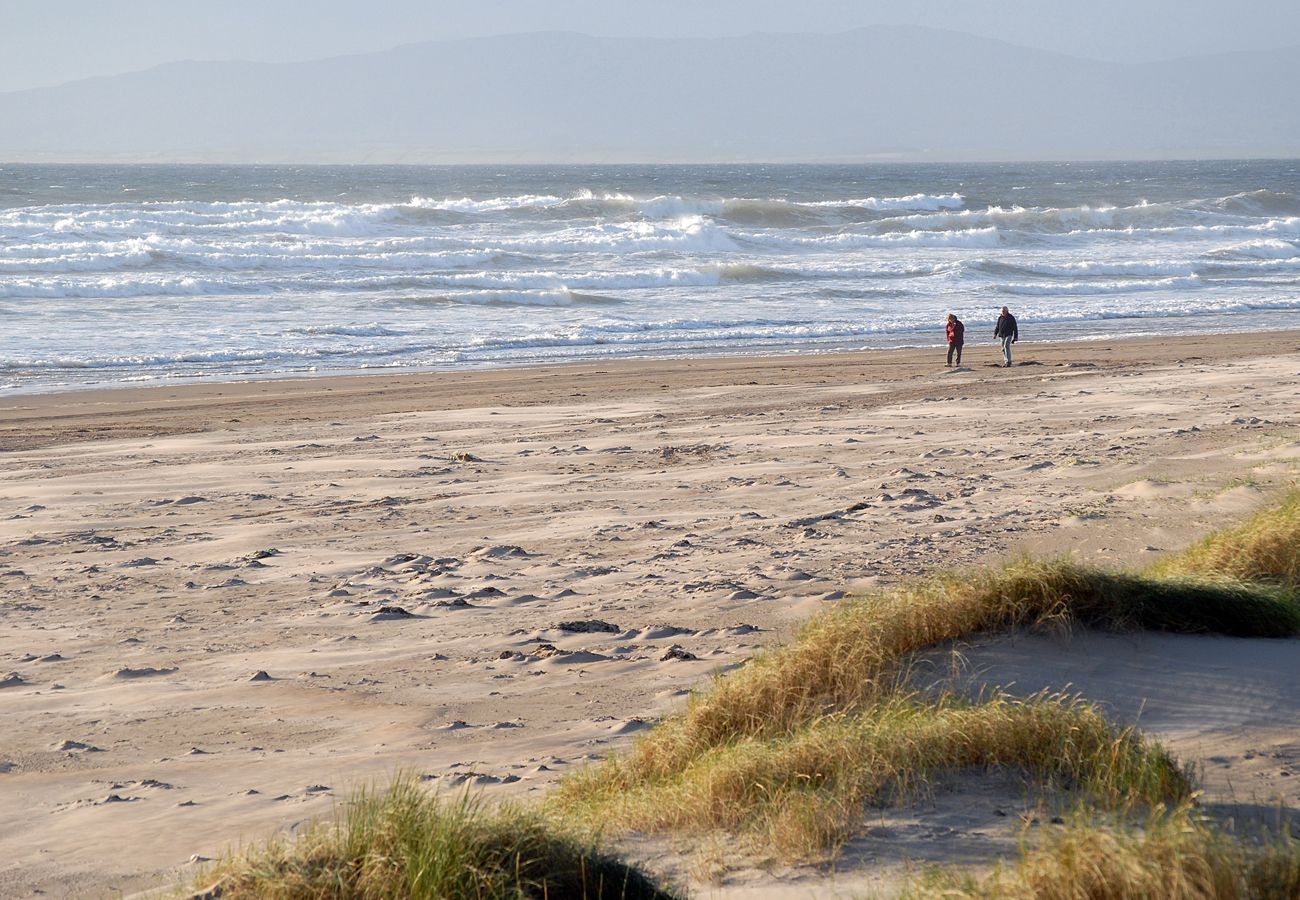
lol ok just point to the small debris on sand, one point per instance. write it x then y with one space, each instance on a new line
589 626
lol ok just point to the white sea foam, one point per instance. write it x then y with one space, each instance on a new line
559 296
1127 286
973 237
1265 248
1071 220
911 201
673 206
1088 268
108 286
373 329
490 204
549 265
1288 227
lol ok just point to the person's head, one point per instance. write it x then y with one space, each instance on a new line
1005 310
951 317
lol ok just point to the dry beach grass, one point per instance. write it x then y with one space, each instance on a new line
402 841
791 745
1265 548
1168 855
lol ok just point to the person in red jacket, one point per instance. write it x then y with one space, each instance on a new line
956 337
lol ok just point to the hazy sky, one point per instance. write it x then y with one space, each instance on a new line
44 42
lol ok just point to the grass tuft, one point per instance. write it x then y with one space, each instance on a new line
851 655
791 745
1264 548
803 793
1174 856
405 842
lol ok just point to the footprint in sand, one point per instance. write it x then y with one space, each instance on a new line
143 672
501 551
475 779
439 593
392 614
655 633
485 592
70 746
551 656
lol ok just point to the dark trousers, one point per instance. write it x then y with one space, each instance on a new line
954 348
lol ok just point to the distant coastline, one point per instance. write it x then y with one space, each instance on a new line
903 93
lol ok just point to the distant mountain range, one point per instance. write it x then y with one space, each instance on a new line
902 93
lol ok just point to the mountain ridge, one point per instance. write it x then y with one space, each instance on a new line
880 92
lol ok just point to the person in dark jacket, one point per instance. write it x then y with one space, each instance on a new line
956 337
1008 332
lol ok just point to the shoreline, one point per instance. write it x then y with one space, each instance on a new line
77 415
838 347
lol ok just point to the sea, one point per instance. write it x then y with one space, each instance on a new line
146 274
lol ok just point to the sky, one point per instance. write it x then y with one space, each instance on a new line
47 42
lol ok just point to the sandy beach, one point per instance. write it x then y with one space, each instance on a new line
224 605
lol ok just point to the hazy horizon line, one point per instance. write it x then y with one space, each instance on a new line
1009 161
648 164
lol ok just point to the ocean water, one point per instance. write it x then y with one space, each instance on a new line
117 274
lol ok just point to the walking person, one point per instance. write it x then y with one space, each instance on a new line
956 337
1008 332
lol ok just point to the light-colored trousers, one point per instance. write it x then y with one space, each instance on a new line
1006 349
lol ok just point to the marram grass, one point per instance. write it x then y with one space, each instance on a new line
1172 856
1264 548
850 656
406 843
803 793
790 746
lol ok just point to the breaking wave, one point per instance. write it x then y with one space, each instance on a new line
434 267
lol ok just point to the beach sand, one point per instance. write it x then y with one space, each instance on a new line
223 606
